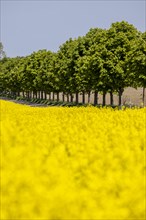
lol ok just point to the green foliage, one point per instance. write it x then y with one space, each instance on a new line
101 61
136 62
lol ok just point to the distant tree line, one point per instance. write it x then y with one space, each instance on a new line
103 61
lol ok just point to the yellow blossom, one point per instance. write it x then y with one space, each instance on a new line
72 163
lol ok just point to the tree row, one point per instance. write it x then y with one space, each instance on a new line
103 61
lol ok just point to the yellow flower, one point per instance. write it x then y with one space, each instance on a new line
72 163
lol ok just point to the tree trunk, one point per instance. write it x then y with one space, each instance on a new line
14 94
143 96
95 98
77 97
120 99
111 98
120 96
67 97
83 97
45 95
63 96
57 96
53 96
23 94
30 94
49 96
89 93
41 94
71 97
104 99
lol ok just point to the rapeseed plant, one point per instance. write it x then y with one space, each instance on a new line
72 163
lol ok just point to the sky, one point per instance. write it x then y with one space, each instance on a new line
31 25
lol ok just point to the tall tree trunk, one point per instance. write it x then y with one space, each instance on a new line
42 95
57 96
63 97
67 97
143 95
27 94
120 99
53 96
111 98
77 97
120 96
83 97
45 95
71 97
30 94
14 94
49 96
38 94
89 93
23 94
95 98
104 99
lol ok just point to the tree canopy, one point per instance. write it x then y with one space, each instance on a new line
102 61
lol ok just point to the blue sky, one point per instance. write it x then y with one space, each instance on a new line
28 26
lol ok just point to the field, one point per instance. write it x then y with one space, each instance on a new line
72 163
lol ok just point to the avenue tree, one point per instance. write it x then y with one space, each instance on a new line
103 61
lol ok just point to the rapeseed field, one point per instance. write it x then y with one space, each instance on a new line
72 163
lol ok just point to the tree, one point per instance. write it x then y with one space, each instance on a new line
89 66
65 66
3 76
42 70
136 63
119 38
2 52
10 78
